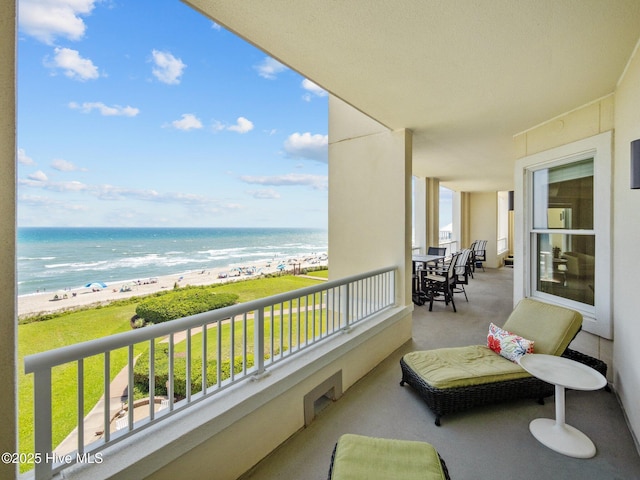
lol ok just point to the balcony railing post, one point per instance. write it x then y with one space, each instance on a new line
345 304
42 423
392 288
258 341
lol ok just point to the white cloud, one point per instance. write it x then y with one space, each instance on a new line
264 194
305 145
38 176
40 180
113 192
188 122
242 125
313 90
107 111
48 19
168 69
37 201
23 158
73 186
318 182
73 65
269 68
218 126
63 165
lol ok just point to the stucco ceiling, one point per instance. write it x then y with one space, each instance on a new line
464 75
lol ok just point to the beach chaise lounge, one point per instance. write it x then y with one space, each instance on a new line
455 379
368 458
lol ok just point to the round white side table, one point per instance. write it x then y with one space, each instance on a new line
563 373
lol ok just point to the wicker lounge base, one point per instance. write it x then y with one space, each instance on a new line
368 458
450 400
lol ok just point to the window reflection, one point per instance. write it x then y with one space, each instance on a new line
563 197
566 266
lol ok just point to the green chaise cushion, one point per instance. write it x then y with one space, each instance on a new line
462 366
358 457
551 327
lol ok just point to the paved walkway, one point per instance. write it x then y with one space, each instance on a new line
94 421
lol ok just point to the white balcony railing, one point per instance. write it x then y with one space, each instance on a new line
450 245
502 245
246 338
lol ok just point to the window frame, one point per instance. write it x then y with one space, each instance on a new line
597 318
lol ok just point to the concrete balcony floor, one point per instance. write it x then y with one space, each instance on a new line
485 442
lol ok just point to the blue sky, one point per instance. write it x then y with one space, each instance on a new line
134 115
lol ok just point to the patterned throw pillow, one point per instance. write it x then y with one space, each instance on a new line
507 344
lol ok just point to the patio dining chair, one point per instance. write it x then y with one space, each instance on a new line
441 251
437 251
462 272
479 254
442 281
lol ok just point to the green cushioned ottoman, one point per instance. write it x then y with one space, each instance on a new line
357 457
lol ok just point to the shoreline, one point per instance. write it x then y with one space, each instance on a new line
46 302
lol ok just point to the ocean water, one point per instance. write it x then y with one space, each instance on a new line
57 258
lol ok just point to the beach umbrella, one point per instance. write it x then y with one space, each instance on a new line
60 294
100 284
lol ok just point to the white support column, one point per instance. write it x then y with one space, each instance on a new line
369 196
420 213
8 329
433 212
464 239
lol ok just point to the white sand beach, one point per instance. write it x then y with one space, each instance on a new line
52 301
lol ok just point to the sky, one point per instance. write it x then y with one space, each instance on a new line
132 115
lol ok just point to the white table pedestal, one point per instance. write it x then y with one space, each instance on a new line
563 373
559 436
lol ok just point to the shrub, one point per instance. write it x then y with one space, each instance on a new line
182 303
161 373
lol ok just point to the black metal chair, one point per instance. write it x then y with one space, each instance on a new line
438 282
441 251
479 254
462 272
437 251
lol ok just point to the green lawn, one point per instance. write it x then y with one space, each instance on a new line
80 326
319 274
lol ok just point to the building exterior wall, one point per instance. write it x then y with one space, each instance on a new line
620 112
582 123
626 254
586 121
8 412
483 221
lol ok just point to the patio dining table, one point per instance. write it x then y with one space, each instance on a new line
420 262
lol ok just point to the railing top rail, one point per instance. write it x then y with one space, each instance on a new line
71 353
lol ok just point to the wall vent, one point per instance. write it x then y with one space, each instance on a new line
321 396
